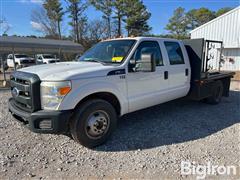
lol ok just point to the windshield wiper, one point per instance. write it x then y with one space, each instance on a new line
94 60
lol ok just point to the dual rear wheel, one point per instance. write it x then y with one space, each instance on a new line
216 95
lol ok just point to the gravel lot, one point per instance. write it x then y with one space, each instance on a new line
147 144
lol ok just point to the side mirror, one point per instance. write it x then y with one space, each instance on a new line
146 64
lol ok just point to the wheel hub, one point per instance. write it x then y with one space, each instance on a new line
97 124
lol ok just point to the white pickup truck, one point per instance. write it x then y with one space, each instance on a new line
46 59
113 78
19 60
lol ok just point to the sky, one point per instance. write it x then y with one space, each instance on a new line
18 13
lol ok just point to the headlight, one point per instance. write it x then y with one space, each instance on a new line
52 94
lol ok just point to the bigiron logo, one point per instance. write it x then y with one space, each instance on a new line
201 171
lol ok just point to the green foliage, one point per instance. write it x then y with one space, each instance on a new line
76 9
136 18
133 13
204 15
120 13
177 25
182 22
105 6
222 11
54 12
198 17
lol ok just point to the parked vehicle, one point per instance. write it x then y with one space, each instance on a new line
77 57
3 64
113 78
46 58
21 60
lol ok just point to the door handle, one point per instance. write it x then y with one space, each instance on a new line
186 72
165 74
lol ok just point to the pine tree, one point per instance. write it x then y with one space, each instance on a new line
137 17
76 9
105 6
54 13
120 12
177 24
222 11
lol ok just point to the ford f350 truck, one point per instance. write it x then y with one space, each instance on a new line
113 78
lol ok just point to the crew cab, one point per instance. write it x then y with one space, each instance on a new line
46 59
19 60
113 78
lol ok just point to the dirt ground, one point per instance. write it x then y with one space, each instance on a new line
148 144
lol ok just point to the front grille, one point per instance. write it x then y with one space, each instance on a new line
52 61
25 88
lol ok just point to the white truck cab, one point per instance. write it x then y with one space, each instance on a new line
21 60
46 59
113 78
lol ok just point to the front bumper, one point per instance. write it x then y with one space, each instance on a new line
54 122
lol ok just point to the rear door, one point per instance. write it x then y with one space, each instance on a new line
147 88
178 70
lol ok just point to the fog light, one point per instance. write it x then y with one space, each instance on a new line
45 124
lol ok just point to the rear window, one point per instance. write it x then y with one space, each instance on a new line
48 56
21 56
175 54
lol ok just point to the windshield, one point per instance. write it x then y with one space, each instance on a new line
21 56
108 52
48 57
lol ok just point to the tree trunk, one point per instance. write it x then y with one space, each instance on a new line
59 30
109 27
119 26
76 23
77 30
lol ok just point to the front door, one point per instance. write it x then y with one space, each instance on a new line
146 88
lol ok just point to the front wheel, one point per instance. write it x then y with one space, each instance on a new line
93 122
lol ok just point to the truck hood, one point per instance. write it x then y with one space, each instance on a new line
69 70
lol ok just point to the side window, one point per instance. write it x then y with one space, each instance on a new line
149 47
175 54
40 57
10 57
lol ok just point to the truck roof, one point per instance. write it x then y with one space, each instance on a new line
141 38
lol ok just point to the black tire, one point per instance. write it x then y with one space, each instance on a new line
6 67
80 129
216 94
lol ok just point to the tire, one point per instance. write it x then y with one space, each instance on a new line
216 94
93 122
6 67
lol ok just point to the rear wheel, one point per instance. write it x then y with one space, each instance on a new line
217 93
93 122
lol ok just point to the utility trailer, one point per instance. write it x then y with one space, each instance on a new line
206 83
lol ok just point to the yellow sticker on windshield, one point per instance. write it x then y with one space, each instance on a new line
117 59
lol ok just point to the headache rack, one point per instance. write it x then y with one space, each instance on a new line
205 57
